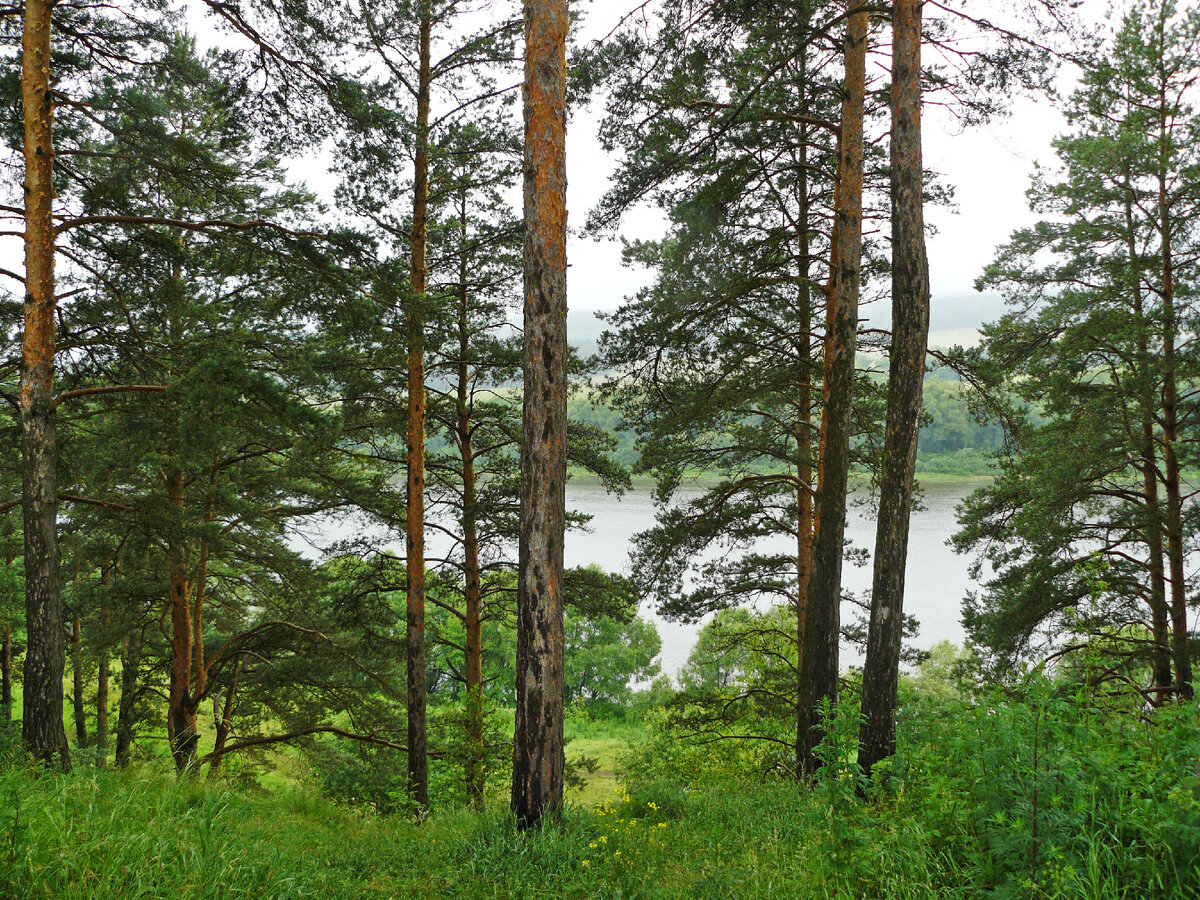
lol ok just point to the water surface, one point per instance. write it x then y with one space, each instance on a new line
937 578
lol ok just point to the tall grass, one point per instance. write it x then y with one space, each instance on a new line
1117 815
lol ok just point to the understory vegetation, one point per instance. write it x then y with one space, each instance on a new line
1037 791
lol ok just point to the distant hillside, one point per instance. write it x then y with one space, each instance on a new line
954 319
584 330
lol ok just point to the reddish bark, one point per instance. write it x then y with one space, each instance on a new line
538 757
42 720
818 677
181 709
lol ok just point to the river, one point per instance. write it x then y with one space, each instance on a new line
936 583
937 579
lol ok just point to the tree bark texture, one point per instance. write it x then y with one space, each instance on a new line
1153 536
818 677
472 574
906 382
1181 645
102 680
1159 610
42 722
6 674
224 720
418 760
538 757
77 684
131 661
804 436
181 711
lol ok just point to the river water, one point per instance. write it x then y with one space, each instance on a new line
937 579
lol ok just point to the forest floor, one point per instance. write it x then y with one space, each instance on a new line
1035 795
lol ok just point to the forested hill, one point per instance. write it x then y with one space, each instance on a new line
953 441
954 318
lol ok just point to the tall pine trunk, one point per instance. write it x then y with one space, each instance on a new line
818 675
102 678
181 717
77 684
1181 646
1159 610
473 586
906 382
804 442
131 661
6 674
42 720
1156 555
538 756
418 761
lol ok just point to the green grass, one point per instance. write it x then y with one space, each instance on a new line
106 835
1119 814
602 741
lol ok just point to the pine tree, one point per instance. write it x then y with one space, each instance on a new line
1091 347
538 758
720 360
906 381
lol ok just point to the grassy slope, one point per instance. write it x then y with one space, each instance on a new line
105 835
1116 797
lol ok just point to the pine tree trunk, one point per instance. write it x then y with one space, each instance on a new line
102 678
1159 610
224 724
131 660
181 719
42 720
538 758
906 382
1181 649
418 761
818 676
804 448
473 587
77 685
1156 556
6 674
